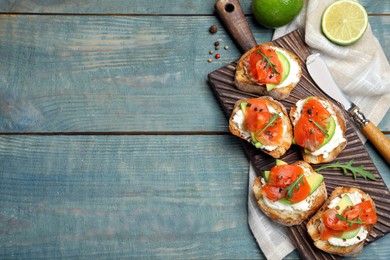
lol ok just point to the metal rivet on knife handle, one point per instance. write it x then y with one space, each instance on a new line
358 116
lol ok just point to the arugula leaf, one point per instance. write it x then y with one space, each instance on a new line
319 127
355 170
295 185
270 123
268 62
350 221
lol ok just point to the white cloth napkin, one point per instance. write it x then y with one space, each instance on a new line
361 70
271 237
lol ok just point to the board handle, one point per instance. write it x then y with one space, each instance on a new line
232 16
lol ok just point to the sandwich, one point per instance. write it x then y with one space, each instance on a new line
268 70
319 129
290 193
343 223
264 122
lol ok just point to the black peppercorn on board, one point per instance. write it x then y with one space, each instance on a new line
221 82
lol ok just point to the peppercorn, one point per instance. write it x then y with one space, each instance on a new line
216 43
213 29
210 60
226 47
217 56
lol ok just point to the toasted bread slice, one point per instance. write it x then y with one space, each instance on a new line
288 215
275 152
328 155
314 223
245 83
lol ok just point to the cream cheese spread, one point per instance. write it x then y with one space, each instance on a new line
294 73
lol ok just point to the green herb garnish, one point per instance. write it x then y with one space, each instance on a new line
355 170
270 123
319 127
295 185
350 221
267 61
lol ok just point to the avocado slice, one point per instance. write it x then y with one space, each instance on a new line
331 130
266 175
314 181
243 106
344 203
256 142
350 233
280 162
286 70
285 201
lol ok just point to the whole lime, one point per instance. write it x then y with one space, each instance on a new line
276 13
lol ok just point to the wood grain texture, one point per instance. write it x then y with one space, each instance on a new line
124 196
222 83
130 71
195 7
128 196
81 74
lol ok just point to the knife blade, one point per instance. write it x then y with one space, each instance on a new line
321 75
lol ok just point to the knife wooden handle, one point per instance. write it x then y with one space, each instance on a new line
232 16
378 139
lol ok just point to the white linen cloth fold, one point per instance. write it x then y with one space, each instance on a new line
361 71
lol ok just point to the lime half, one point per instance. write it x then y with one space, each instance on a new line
344 22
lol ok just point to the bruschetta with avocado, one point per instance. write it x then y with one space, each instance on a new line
290 193
343 223
319 129
264 122
268 70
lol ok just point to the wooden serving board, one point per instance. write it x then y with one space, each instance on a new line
221 82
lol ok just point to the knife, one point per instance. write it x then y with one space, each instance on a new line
320 73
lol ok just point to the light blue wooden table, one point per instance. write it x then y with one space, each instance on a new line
112 145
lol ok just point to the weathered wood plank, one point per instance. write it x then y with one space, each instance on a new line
111 196
97 74
204 7
66 73
121 196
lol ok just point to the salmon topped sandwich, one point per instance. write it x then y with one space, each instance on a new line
290 193
343 223
263 122
319 129
268 70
